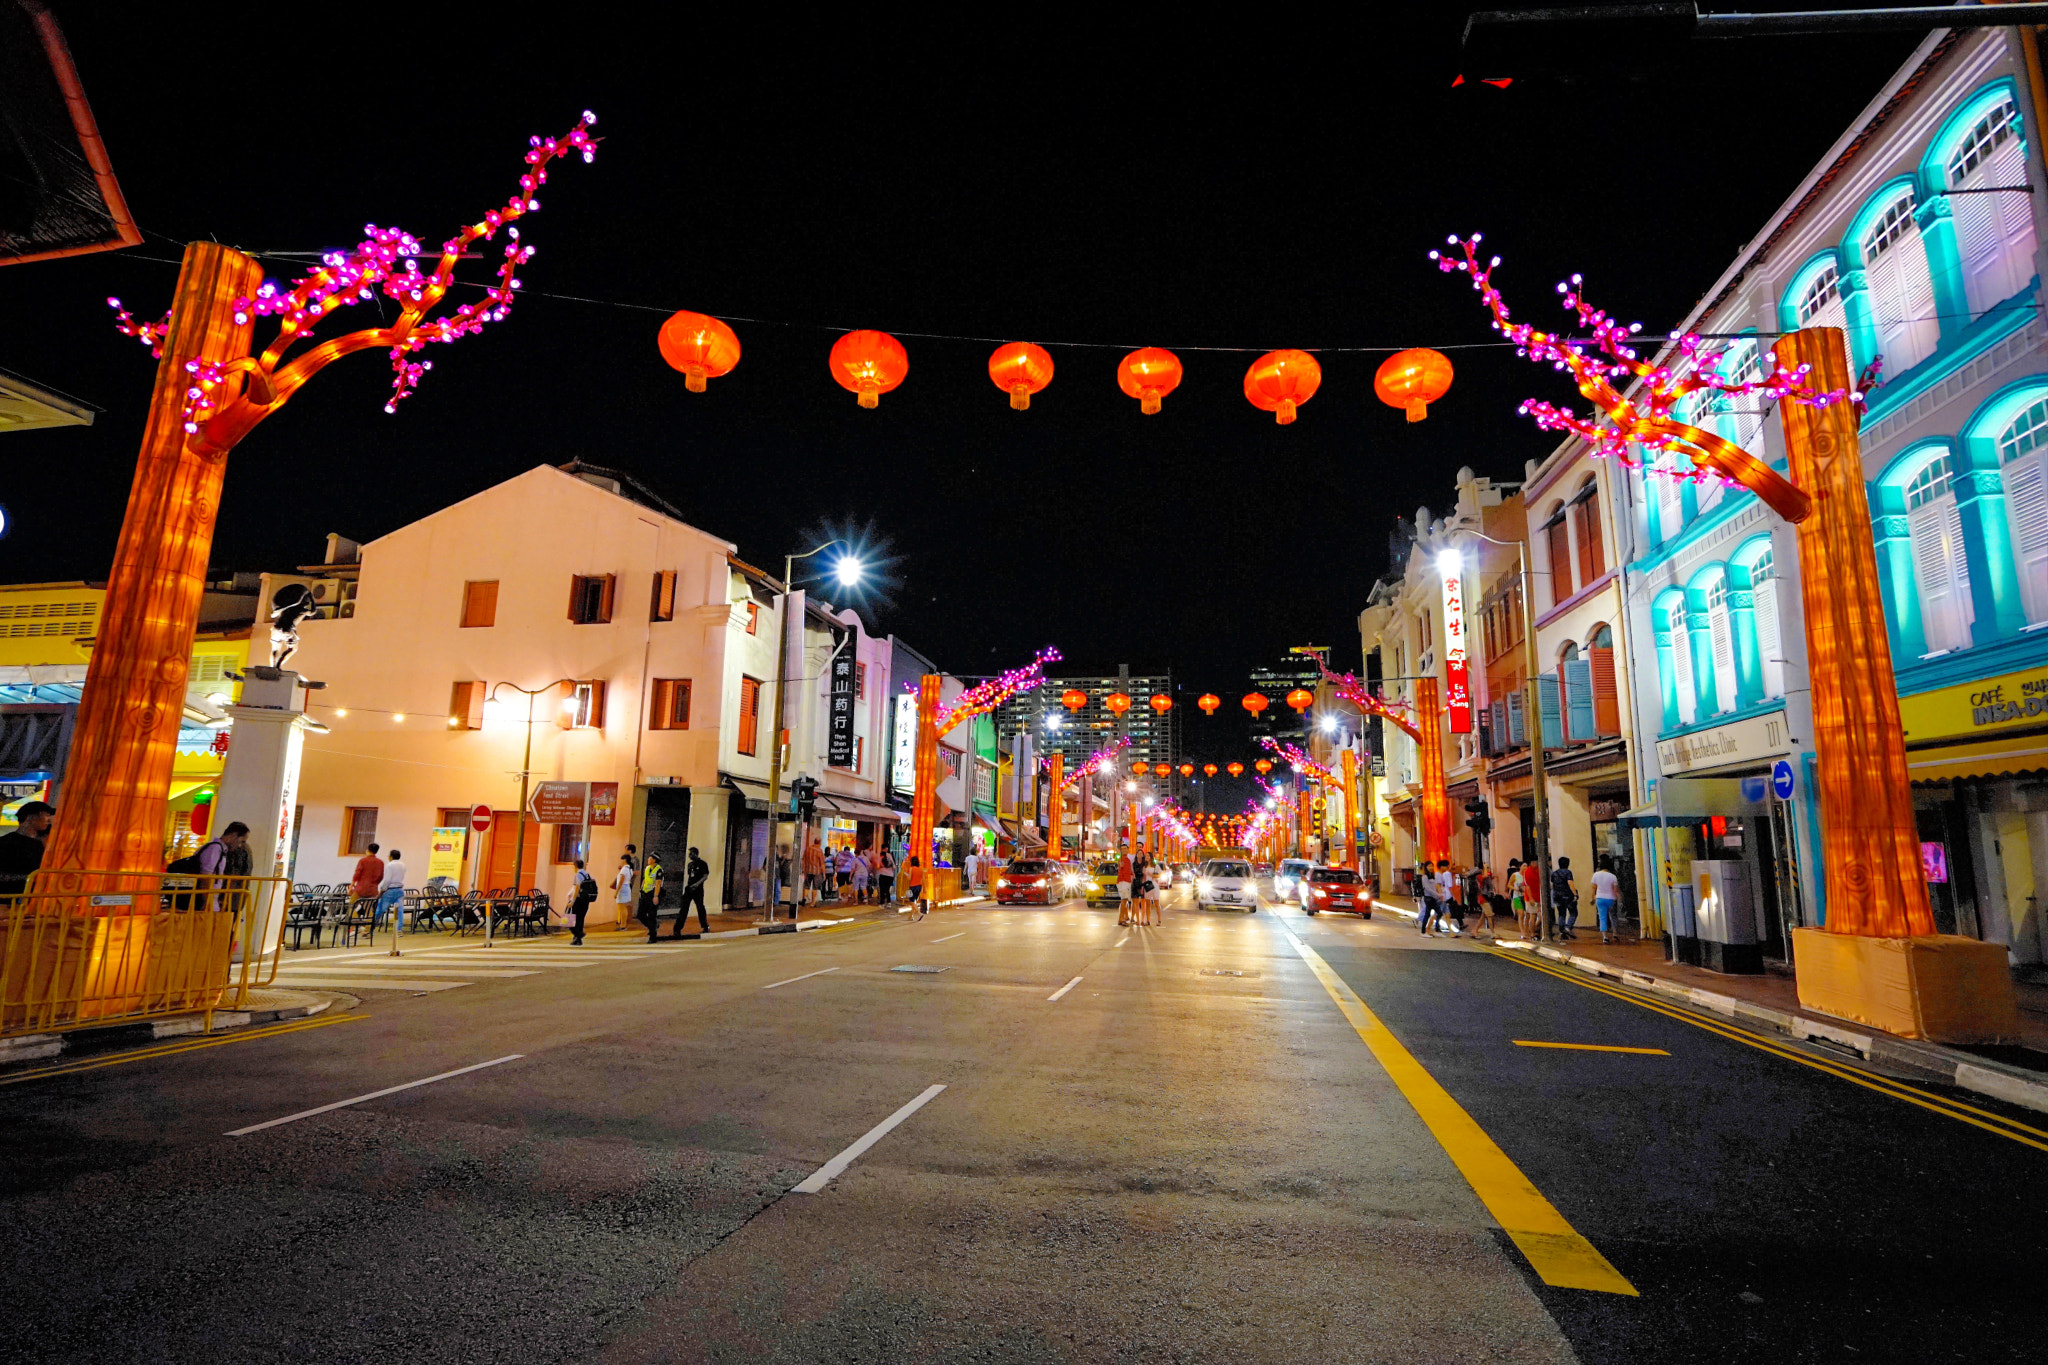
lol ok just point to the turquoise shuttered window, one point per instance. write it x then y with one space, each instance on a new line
1578 696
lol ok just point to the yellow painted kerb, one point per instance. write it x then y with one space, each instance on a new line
1556 1251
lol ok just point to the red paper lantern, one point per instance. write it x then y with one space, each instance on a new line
1209 701
1139 769
1235 769
1301 699
1118 702
701 347
869 364
1413 380
1187 770
1148 376
1280 381
1073 699
1161 703
1255 702
201 817
1264 766
1208 770
1020 369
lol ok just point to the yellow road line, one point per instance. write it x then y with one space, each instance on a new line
1556 1251
173 1048
1869 1080
842 928
1594 1047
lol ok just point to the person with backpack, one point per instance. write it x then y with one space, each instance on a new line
1564 897
695 873
580 903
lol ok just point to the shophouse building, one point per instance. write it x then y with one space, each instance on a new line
619 645
1917 234
838 719
1568 505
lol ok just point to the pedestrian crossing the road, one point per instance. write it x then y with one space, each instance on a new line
449 967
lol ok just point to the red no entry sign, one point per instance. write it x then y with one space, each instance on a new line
480 818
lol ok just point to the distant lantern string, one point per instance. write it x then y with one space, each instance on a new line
387 260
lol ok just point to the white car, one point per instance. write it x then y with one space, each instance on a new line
1227 881
1288 877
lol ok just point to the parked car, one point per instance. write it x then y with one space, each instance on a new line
1031 881
1336 888
1227 882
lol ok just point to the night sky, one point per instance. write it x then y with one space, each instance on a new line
1192 179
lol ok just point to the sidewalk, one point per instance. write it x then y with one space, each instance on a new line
2017 1074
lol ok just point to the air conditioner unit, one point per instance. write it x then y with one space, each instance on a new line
323 590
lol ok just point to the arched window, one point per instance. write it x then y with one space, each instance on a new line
1994 232
1667 491
1722 630
1585 517
1606 692
2023 460
1941 571
1558 546
1681 698
1770 639
1743 418
1901 288
1820 300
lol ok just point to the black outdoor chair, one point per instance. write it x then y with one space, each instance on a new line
300 918
353 918
534 920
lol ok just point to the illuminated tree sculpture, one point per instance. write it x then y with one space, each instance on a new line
212 388
934 720
1426 717
1870 844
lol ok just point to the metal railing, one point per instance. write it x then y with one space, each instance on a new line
80 949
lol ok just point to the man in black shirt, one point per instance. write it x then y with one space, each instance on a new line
696 872
22 851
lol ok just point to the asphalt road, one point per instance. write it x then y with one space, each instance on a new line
1235 1138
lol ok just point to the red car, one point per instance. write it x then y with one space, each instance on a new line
1030 881
1336 888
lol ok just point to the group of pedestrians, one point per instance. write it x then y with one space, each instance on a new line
1141 887
1449 897
855 876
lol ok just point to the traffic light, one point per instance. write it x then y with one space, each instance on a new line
1477 816
803 796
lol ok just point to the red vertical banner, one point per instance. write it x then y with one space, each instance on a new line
1457 682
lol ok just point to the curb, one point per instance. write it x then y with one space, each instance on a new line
1997 1080
115 1037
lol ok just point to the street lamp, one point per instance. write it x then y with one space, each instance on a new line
1448 561
847 570
525 772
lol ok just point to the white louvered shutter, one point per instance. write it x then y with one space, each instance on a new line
2026 506
1901 289
1940 613
1681 663
1770 644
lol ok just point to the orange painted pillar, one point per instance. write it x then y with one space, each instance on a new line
1303 813
924 801
110 811
1350 770
1436 802
1870 843
1056 808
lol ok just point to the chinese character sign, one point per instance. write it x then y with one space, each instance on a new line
840 732
1457 683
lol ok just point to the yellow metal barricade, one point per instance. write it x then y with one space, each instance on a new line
79 949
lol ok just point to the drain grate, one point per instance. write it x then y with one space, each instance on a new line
1225 971
919 970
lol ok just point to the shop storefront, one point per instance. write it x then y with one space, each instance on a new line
1727 843
1977 754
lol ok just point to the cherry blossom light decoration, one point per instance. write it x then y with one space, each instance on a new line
1612 357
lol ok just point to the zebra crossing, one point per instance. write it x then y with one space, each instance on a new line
447 967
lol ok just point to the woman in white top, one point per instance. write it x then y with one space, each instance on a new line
622 887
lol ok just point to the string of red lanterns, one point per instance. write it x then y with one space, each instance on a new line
870 363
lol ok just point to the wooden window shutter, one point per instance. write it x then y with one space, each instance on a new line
480 603
604 607
1591 561
466 706
564 696
748 740
595 720
576 598
1560 560
1606 697
663 607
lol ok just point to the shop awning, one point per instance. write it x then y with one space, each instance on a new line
855 808
2007 757
755 791
1689 800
